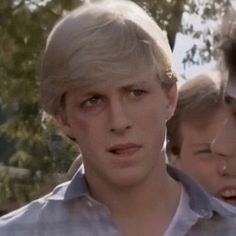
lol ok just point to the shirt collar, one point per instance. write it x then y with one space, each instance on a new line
76 187
200 201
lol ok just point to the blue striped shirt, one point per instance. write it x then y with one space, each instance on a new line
70 210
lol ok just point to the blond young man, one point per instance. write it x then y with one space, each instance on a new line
108 79
198 118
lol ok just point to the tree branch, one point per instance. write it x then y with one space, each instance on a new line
175 21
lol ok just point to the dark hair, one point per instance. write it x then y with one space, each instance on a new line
229 53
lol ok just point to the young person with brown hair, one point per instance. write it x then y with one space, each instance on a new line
198 118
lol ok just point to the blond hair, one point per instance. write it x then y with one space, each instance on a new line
99 41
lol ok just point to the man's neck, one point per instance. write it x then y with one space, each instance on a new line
148 211
144 209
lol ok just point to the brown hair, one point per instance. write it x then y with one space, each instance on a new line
198 97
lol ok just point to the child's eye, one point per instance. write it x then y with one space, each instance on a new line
204 154
91 102
203 151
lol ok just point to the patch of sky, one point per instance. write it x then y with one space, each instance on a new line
190 46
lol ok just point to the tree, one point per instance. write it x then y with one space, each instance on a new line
24 27
169 13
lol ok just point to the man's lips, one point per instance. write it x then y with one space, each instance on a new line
124 149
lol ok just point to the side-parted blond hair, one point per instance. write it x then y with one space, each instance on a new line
103 41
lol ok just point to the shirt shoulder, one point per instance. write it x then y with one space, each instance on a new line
199 200
29 214
217 225
62 211
211 216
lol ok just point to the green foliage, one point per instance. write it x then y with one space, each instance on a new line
24 28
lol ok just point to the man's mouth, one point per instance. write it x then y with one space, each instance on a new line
124 149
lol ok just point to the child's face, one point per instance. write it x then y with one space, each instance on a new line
198 159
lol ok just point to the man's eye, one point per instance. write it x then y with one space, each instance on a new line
137 92
91 102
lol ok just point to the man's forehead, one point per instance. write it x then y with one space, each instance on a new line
118 83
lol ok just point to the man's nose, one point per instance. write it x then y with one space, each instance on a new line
120 120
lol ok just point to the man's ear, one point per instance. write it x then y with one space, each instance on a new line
172 96
64 124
